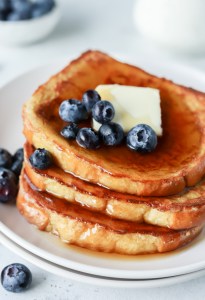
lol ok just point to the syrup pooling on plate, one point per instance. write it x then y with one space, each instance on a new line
95 231
87 228
160 173
187 260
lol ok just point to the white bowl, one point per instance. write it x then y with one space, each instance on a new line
28 31
177 25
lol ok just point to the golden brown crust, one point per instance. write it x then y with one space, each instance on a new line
179 160
177 212
93 230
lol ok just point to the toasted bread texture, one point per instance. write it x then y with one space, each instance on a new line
93 230
177 162
181 211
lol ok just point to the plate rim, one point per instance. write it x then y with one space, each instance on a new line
92 269
96 280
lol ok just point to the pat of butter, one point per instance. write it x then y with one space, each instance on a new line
133 105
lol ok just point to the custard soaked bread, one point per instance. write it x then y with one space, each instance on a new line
92 230
177 162
113 199
185 210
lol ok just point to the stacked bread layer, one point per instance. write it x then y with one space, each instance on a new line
112 199
85 226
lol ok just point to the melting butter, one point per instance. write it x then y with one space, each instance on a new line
133 105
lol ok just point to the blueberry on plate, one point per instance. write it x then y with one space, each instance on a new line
42 7
5 158
90 98
19 154
17 167
16 278
88 138
8 185
142 138
73 110
5 173
17 161
70 132
41 159
111 134
103 111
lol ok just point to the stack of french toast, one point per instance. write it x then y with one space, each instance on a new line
113 199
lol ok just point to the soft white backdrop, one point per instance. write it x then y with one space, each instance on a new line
88 24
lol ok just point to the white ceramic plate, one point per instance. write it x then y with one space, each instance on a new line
12 96
92 279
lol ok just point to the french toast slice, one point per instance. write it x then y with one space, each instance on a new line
177 162
185 210
93 230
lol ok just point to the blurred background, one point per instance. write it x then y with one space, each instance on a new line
36 32
160 29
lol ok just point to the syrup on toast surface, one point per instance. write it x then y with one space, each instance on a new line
93 230
179 159
185 210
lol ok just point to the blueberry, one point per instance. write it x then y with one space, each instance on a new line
18 16
103 111
69 132
5 173
72 110
5 158
8 186
142 138
37 12
42 7
111 134
16 278
19 5
17 161
4 5
17 167
41 159
19 155
90 98
21 10
88 138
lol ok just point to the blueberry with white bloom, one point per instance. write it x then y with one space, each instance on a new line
70 131
88 138
73 110
90 98
142 138
111 134
103 111
16 278
41 159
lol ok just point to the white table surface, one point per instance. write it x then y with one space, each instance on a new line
105 25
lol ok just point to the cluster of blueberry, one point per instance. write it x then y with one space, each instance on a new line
16 278
16 10
10 169
141 138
